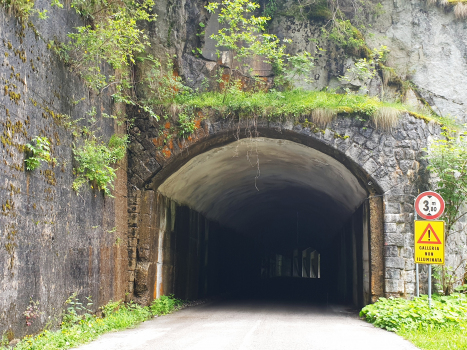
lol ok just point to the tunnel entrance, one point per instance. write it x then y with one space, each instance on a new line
266 216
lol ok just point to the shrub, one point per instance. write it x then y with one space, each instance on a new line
395 314
165 305
40 152
95 162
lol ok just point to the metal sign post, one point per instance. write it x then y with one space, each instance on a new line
417 284
429 286
429 234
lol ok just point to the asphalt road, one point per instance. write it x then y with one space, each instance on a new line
254 325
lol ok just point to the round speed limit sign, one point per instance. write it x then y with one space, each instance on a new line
429 205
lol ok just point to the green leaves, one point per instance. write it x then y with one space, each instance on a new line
394 314
165 305
95 162
40 152
187 124
448 162
115 40
79 326
243 36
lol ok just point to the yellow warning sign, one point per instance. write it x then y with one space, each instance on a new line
429 242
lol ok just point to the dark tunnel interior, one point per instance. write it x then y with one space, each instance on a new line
269 218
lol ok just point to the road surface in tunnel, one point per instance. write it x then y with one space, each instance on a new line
254 324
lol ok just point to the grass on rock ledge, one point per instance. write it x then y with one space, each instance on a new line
320 106
76 330
444 326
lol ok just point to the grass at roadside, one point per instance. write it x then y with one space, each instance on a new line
80 329
444 326
448 338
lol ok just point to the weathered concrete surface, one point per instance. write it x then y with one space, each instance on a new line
53 242
255 325
176 250
247 176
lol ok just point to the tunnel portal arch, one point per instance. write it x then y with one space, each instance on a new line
386 165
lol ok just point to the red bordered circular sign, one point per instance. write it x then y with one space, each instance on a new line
429 205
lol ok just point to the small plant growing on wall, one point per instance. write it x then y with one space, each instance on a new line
95 160
32 312
36 152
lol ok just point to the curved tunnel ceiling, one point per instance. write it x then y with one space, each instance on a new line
294 180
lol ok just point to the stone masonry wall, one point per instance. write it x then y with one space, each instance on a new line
53 241
389 164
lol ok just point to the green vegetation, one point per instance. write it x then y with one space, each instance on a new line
275 105
441 327
25 8
40 152
80 327
344 34
448 162
115 40
243 37
448 338
95 162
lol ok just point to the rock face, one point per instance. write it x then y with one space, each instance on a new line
428 45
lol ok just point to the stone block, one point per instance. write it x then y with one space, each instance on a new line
404 144
399 154
409 154
133 220
408 240
388 151
406 165
391 251
390 227
131 264
392 274
131 275
141 278
144 252
392 208
407 252
359 139
371 166
401 228
132 253
409 264
394 239
408 275
132 242
393 286
133 232
410 288
371 144
397 218
413 135
395 262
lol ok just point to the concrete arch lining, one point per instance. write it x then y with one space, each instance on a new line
250 174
